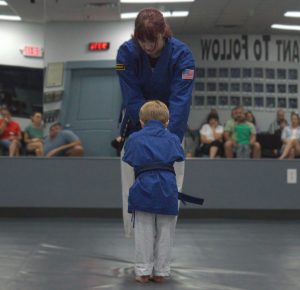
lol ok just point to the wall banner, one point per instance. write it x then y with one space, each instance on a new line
250 48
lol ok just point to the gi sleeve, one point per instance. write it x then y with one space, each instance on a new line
181 93
178 150
130 85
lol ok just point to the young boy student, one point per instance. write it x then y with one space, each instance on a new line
153 198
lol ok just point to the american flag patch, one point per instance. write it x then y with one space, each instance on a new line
188 74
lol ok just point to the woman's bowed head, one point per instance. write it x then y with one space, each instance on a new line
151 30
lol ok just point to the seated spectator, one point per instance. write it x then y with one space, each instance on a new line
245 135
10 133
62 143
230 138
33 135
251 119
211 136
290 138
275 125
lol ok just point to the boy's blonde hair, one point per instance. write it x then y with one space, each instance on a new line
154 110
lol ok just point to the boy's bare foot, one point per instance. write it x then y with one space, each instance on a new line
142 279
158 279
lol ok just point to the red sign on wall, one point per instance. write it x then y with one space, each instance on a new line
32 51
98 46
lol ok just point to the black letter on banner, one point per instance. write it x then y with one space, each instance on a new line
278 42
296 51
245 45
257 49
229 54
266 39
237 49
223 55
205 48
216 49
287 50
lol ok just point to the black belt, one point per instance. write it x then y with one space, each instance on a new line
189 198
167 167
153 166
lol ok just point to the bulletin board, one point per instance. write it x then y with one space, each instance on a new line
54 75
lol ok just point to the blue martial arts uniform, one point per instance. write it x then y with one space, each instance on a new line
153 191
170 81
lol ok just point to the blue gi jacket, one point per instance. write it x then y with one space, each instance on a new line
171 81
153 191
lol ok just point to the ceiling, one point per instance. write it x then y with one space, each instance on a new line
205 17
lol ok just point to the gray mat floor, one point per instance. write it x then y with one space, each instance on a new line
87 254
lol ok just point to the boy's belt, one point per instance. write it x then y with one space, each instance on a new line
153 166
167 167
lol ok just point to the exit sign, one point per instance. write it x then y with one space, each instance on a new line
98 46
32 51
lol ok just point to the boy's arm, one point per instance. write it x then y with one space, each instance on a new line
128 151
179 154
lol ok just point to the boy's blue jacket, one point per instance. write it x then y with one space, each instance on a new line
153 191
171 81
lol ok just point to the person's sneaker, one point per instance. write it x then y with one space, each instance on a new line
142 279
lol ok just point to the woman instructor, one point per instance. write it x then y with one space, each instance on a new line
153 65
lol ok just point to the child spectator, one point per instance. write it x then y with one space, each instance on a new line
230 136
244 135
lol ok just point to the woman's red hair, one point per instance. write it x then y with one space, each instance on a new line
149 24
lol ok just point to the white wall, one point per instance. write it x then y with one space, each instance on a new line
61 41
13 37
68 41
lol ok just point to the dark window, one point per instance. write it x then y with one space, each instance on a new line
21 89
